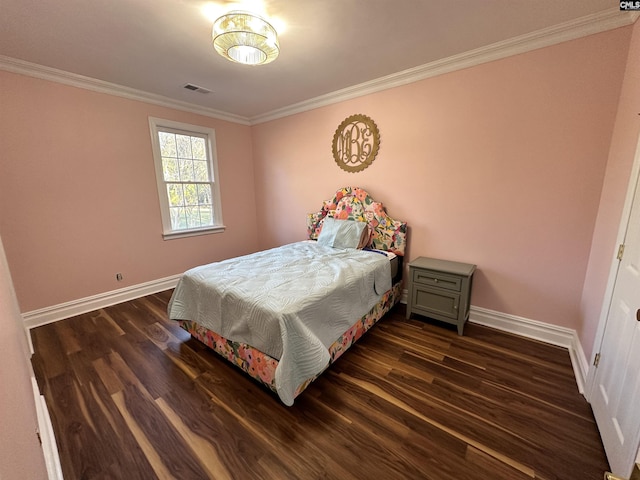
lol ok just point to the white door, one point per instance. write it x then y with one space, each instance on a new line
615 397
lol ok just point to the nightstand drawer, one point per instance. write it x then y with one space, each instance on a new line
437 279
442 303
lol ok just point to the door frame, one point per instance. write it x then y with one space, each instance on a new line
634 184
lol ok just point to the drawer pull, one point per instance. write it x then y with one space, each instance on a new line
436 280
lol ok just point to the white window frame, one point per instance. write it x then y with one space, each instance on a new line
157 125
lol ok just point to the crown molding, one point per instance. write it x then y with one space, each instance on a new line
22 67
580 27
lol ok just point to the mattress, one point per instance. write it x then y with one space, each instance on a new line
394 262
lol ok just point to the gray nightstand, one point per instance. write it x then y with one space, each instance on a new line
440 289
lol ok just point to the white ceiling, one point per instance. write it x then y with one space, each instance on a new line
157 46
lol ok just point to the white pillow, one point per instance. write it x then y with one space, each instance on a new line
343 233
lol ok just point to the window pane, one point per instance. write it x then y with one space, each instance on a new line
198 148
200 170
190 194
193 217
204 195
175 194
167 144
178 219
170 169
186 170
206 215
184 146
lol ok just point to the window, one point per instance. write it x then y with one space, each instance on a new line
187 177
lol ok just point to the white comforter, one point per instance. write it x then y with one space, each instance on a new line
290 302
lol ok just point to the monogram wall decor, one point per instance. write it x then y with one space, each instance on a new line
356 143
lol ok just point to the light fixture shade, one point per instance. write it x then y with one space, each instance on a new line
245 38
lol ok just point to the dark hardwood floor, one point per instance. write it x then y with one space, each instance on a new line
132 396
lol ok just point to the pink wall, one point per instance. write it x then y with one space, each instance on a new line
623 148
500 165
20 452
78 196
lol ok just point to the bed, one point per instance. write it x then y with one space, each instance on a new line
284 315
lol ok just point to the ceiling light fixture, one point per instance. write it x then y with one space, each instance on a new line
246 38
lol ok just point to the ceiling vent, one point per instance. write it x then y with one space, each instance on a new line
196 88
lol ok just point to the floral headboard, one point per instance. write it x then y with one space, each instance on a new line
353 203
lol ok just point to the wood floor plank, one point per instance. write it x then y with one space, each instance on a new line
477 434
95 332
48 352
131 458
400 455
257 413
153 457
148 363
203 448
133 396
173 451
77 429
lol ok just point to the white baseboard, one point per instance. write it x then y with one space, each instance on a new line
47 437
544 332
36 318
580 363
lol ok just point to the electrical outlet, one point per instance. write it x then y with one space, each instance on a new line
119 277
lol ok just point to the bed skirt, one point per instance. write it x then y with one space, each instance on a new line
262 367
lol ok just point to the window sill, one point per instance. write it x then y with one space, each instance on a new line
193 232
